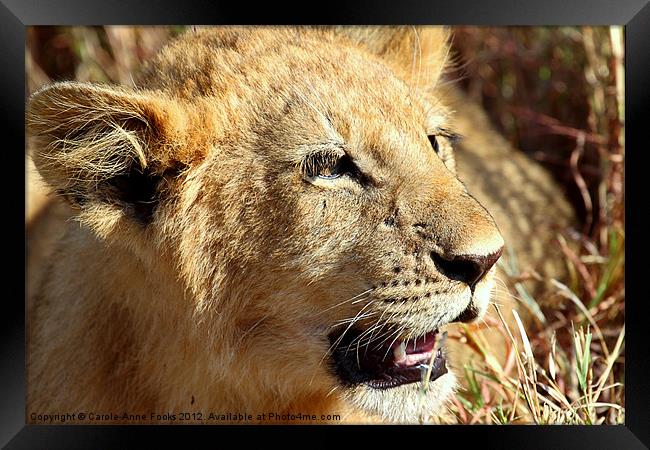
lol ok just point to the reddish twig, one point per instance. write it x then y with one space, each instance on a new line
556 127
579 180
580 266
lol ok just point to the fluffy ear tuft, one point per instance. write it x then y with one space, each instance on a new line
94 143
418 54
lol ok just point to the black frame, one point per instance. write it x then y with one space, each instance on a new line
15 15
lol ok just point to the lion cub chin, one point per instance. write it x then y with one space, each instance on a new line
410 403
269 222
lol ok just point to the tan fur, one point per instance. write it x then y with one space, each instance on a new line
223 301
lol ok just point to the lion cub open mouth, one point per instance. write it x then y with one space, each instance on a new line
387 365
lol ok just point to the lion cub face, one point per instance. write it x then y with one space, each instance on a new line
300 188
395 247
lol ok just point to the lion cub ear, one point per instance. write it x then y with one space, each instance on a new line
99 145
417 53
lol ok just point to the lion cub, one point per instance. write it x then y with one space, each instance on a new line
271 222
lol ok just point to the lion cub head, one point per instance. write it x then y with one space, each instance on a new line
294 191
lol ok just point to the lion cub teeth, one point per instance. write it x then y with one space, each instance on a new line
400 353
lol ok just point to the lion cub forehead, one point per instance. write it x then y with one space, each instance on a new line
365 126
297 86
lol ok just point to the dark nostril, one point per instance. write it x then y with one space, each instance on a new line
465 270
469 269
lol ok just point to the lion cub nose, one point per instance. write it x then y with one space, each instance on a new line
469 269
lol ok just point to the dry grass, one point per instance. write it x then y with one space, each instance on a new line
557 94
97 54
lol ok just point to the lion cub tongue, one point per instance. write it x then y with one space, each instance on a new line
413 352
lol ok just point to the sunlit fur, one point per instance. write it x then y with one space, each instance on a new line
224 300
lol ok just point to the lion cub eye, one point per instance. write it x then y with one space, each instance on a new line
326 166
331 172
443 143
434 143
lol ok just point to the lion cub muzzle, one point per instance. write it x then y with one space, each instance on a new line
469 269
442 274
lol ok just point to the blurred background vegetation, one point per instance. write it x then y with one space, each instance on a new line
557 94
